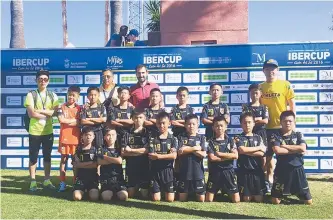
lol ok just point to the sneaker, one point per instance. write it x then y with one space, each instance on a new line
33 186
268 186
62 186
48 184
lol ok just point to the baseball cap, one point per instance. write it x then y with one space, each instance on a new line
271 62
134 32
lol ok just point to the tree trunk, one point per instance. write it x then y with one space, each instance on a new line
64 23
107 22
116 15
17 25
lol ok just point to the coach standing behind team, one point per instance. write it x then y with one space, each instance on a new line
276 95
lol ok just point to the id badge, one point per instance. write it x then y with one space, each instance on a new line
42 121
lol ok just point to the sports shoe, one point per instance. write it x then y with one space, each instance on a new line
48 184
268 186
62 186
33 186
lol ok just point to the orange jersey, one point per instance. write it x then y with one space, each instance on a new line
69 135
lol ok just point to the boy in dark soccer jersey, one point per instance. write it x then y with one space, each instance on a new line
120 115
111 177
153 110
289 175
134 150
251 149
191 152
221 153
214 108
85 162
93 115
162 154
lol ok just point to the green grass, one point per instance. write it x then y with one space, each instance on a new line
17 202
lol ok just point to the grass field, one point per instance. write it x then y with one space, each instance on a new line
18 202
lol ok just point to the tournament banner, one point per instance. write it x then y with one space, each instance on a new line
308 66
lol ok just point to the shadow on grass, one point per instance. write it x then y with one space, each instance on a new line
20 185
330 179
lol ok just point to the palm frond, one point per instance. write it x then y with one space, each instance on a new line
153 7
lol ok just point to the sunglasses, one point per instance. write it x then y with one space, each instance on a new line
43 79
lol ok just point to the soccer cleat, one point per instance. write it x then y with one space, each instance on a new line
48 184
62 186
268 186
33 186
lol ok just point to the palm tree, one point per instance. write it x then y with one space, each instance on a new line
153 8
107 21
64 23
116 15
17 25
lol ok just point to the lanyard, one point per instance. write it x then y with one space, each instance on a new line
43 102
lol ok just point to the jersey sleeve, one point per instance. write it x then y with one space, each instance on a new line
264 112
300 138
289 92
232 145
114 37
204 113
239 142
173 114
124 140
29 101
203 143
147 113
55 100
210 148
103 111
83 114
275 140
226 109
174 143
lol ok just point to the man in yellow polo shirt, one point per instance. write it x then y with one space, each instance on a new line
276 95
40 127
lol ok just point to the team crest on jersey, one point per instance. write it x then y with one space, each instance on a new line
222 111
178 116
216 147
119 115
185 141
169 146
197 143
89 114
158 147
283 142
293 141
210 112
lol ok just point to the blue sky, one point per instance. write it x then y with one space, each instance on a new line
268 22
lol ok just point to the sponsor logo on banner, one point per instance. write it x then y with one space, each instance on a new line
14 100
326 97
306 97
235 108
13 80
29 80
92 79
114 62
26 142
215 77
197 88
128 78
30 64
319 130
311 86
57 79
74 79
14 121
325 74
14 142
258 58
235 119
56 141
238 76
191 77
311 141
205 98
302 75
319 153
155 77
13 162
326 141
172 100
307 119
61 99
26 162
162 61
326 119
313 57
68 64
214 60
173 78
310 164
259 76
239 98
55 162
168 89
326 164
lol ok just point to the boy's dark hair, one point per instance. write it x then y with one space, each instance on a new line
287 114
107 129
191 116
140 66
182 89
215 84
246 114
87 129
137 112
219 118
92 88
43 72
74 89
120 89
162 115
254 86
155 90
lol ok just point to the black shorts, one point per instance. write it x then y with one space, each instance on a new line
140 180
189 186
251 183
262 133
114 184
162 181
225 180
86 184
290 180
269 133
35 141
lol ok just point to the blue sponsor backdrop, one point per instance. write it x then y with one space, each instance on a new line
308 66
